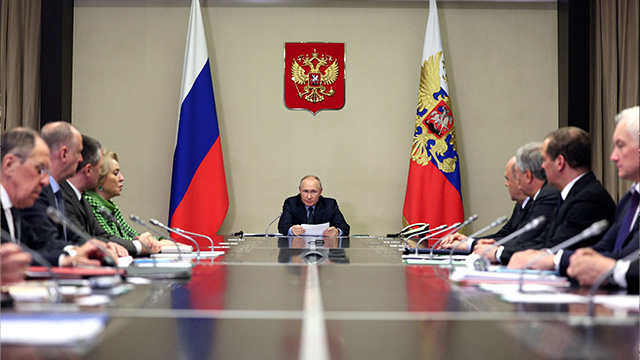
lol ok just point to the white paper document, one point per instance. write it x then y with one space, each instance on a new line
315 229
50 329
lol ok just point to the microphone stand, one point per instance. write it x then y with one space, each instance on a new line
405 239
59 218
199 235
471 219
434 234
266 232
159 224
113 219
499 221
139 221
482 263
53 289
595 229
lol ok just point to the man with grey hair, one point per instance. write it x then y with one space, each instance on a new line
310 207
519 215
79 211
25 160
622 238
532 180
65 144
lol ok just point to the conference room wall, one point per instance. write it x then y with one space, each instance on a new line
501 60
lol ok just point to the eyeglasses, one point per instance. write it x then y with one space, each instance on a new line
41 168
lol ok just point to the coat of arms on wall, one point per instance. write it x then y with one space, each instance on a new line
314 76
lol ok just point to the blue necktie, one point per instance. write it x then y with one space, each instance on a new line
60 206
310 217
625 228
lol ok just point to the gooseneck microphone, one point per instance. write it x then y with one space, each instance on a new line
196 234
161 225
499 221
600 279
59 218
436 233
471 219
423 232
595 229
266 232
139 221
106 213
53 287
482 263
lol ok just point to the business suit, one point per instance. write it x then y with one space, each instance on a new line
294 212
544 205
586 203
25 235
516 221
49 235
81 214
606 245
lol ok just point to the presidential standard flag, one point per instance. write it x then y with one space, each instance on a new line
199 199
433 187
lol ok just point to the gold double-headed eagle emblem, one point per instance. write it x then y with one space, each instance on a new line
436 122
314 81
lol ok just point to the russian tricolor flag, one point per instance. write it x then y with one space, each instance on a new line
199 199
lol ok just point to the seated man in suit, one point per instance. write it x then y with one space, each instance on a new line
80 212
310 207
619 240
587 265
532 181
25 160
519 215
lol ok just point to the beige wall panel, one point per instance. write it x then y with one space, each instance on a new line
502 67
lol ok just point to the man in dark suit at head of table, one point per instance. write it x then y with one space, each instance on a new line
310 207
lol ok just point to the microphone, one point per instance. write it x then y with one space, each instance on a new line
595 229
471 219
106 213
266 233
499 221
410 230
58 217
600 279
482 263
53 288
422 233
436 233
159 224
139 221
195 234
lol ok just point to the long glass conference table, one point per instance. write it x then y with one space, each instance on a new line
343 298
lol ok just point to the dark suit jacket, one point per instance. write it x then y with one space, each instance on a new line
294 212
607 243
27 235
49 235
516 221
81 214
586 203
544 205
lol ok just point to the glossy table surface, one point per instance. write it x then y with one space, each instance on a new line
280 298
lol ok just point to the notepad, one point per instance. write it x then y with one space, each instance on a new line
50 329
